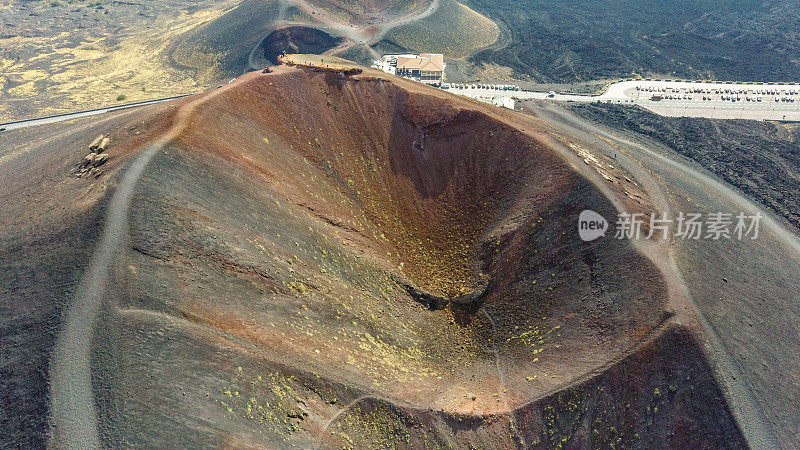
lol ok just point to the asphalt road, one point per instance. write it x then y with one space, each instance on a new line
69 116
625 92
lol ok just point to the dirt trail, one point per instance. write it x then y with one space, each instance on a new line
382 30
501 376
509 411
73 414
743 401
367 35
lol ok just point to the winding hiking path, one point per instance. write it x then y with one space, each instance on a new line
368 34
73 413
501 377
736 383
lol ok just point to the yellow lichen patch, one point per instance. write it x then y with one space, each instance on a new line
266 398
376 425
5 64
399 363
137 64
23 90
535 338
18 74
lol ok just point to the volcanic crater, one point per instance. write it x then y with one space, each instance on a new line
327 258
296 39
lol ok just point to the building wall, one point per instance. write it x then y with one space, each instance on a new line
389 64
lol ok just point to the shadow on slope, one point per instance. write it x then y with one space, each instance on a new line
272 251
663 396
297 39
234 36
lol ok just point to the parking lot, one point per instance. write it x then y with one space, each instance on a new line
705 92
722 100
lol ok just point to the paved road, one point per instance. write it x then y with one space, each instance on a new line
626 92
69 116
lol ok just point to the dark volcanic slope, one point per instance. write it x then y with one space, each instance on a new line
660 397
296 39
280 252
49 223
762 159
566 40
233 36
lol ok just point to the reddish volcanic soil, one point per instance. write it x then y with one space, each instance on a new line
350 259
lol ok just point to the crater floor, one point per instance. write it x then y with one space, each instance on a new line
282 249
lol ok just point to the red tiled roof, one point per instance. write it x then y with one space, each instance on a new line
426 62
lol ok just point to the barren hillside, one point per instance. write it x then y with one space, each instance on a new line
342 258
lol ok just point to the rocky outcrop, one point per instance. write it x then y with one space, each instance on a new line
436 302
89 165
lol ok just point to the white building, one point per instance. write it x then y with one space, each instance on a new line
425 67
504 102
